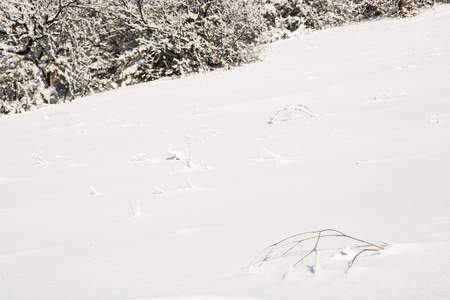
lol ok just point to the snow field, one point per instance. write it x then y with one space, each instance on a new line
97 199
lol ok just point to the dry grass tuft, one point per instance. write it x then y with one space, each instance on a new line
286 246
290 111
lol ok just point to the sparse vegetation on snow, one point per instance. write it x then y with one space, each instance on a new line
292 246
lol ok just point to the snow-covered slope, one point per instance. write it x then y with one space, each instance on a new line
170 189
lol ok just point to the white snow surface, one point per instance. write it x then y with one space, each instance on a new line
168 190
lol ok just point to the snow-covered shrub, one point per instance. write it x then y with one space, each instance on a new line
74 47
400 8
286 16
322 14
39 45
154 39
373 8
21 87
407 8
56 50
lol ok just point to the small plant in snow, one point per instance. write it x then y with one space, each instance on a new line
290 111
93 190
139 157
291 246
39 159
178 155
173 154
136 212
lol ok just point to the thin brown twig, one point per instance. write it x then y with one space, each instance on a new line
313 250
360 252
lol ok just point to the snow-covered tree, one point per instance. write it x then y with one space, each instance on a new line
153 39
39 51
55 50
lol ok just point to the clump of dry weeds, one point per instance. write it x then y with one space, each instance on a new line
291 111
286 246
